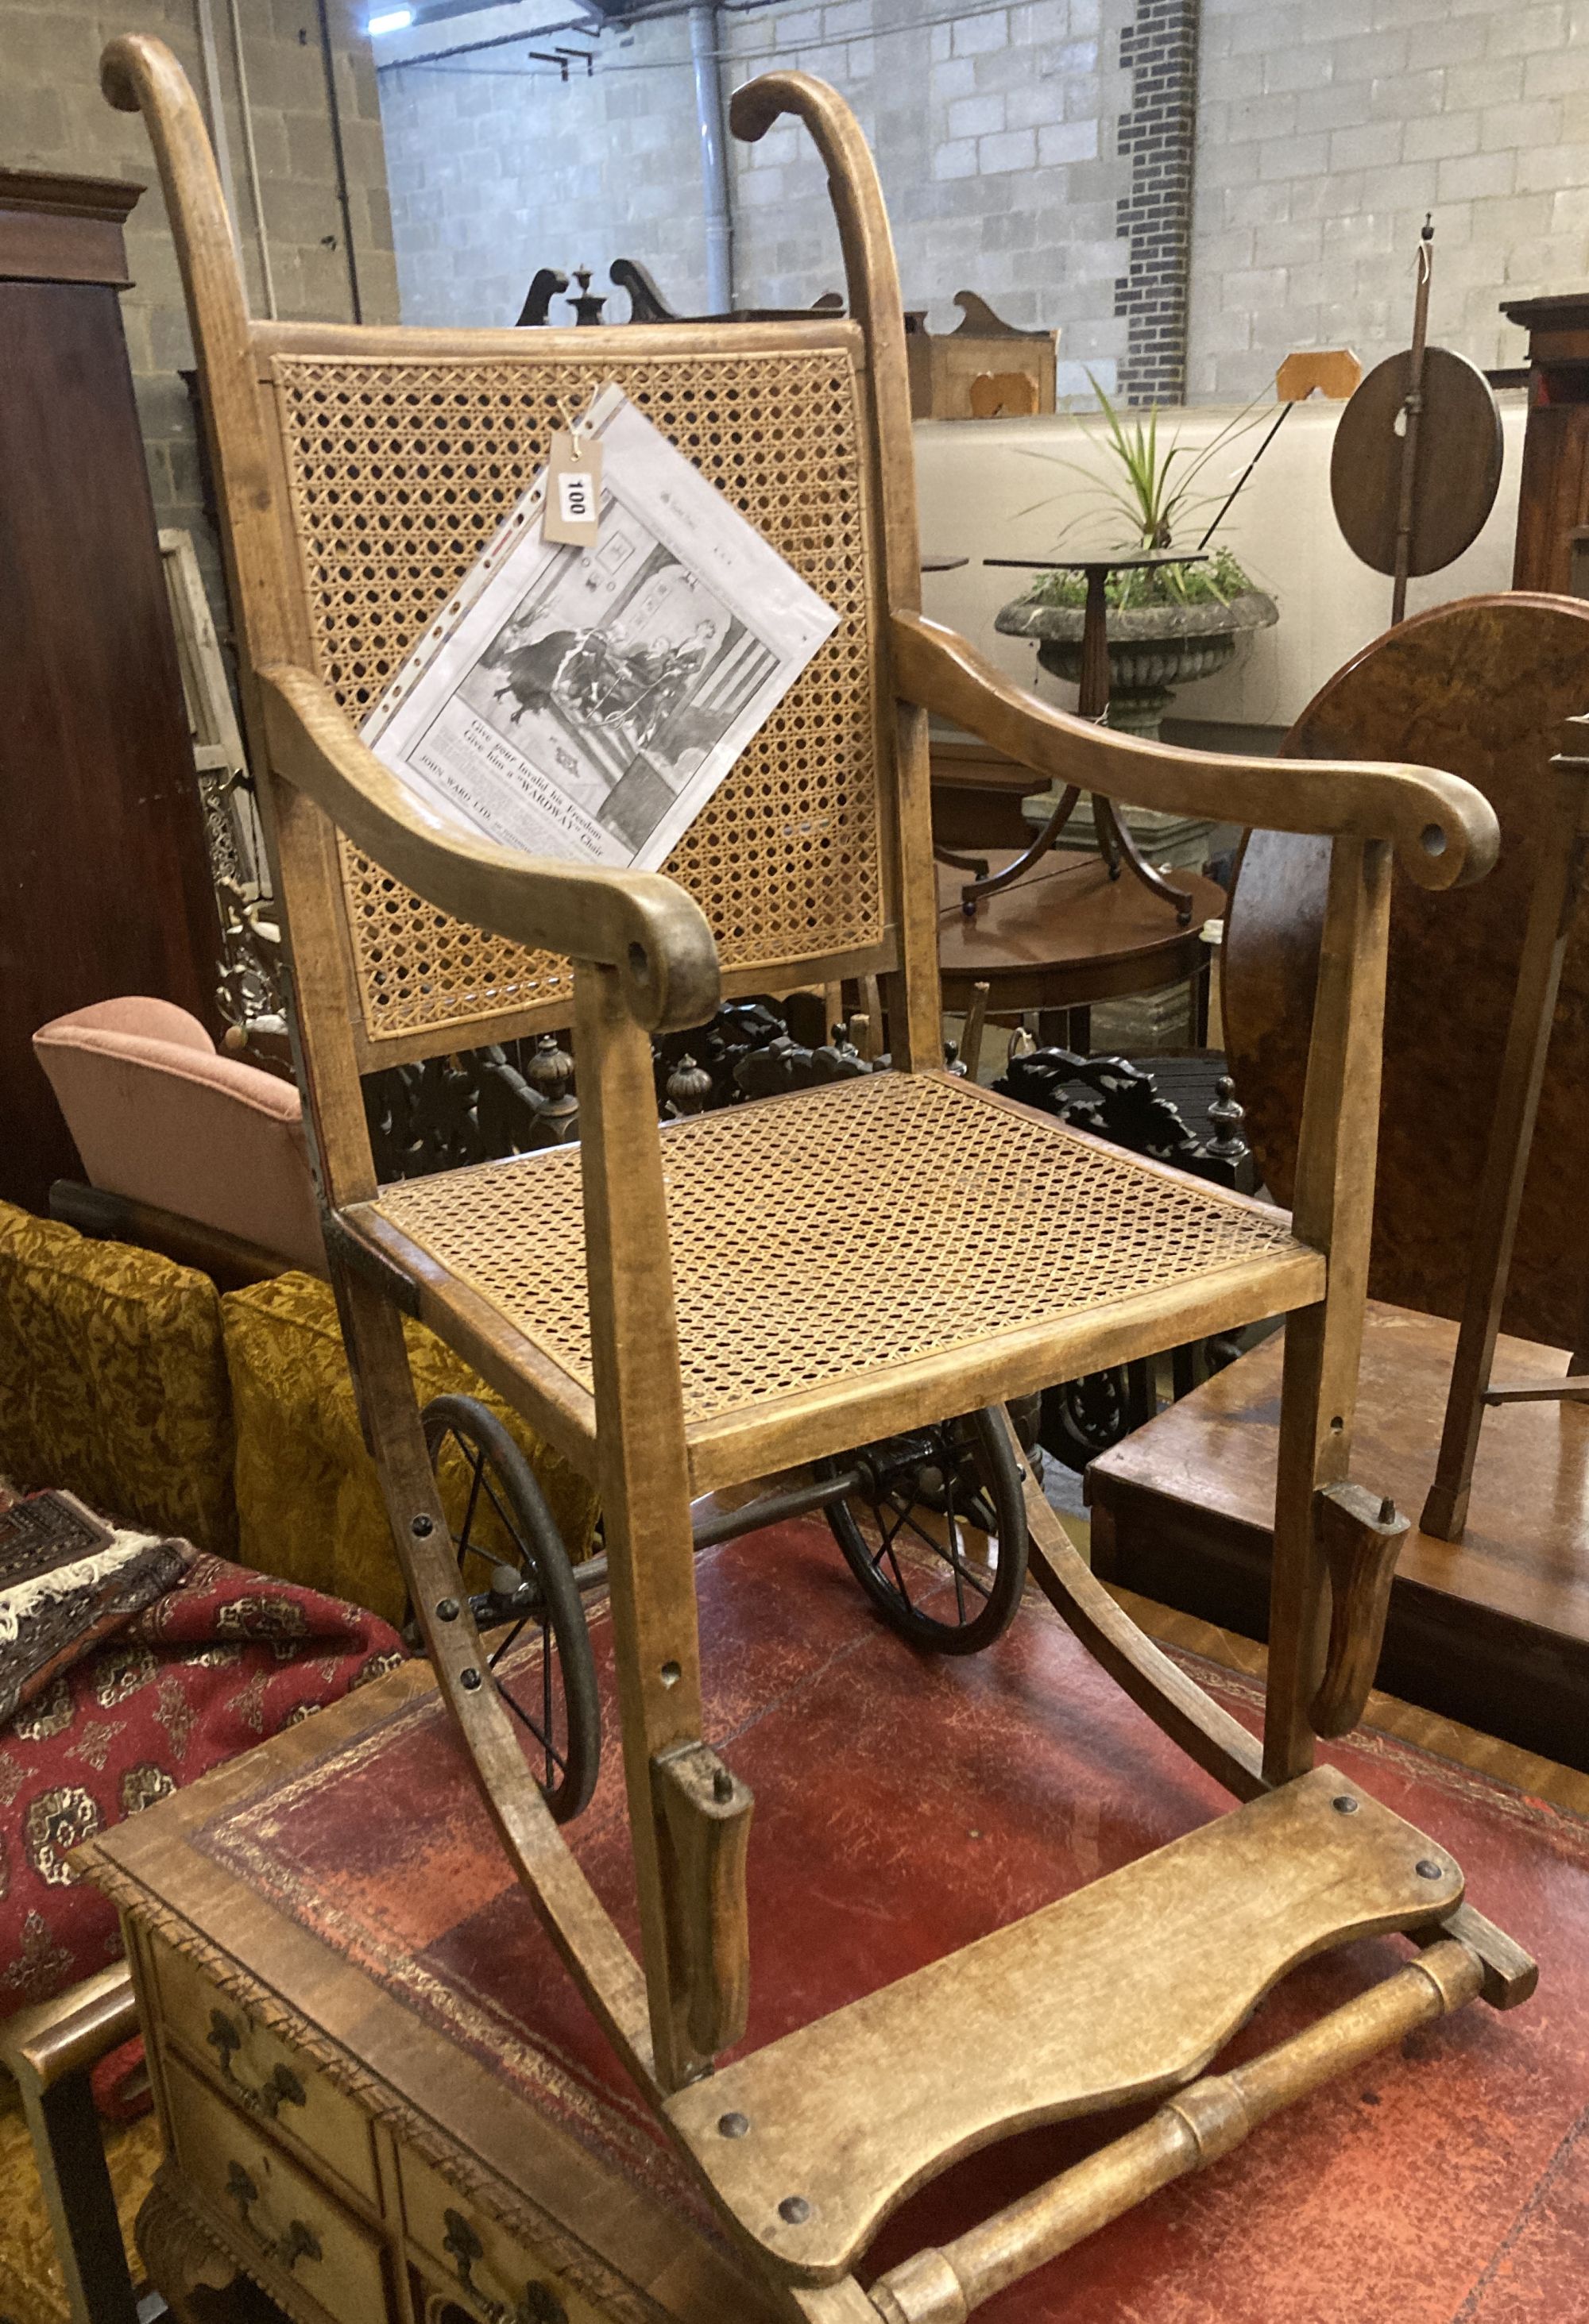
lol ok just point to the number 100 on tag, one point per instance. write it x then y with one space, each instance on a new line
573 491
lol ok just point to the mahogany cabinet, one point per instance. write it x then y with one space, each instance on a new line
1552 503
103 881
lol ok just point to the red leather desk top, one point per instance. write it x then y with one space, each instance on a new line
906 1804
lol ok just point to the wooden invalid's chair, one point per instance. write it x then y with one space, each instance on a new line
777 1285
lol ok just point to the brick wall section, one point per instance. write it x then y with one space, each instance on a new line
52 116
1326 129
1159 49
993 135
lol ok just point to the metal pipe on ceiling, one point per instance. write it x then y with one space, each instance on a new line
708 106
251 159
215 107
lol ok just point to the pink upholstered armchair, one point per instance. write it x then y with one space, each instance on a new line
209 1148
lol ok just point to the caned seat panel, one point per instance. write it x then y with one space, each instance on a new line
825 1236
399 467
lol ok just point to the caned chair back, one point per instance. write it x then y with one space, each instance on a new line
400 451
359 471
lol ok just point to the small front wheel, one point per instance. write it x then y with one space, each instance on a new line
936 1535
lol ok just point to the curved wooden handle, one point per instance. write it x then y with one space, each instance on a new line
1442 830
753 108
126 69
142 75
872 278
646 926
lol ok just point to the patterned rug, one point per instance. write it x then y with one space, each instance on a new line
907 1804
221 1662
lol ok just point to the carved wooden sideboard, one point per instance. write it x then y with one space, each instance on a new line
331 2149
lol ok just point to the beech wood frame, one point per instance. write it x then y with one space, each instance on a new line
645 962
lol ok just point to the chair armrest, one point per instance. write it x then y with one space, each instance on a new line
1442 830
44 2044
646 926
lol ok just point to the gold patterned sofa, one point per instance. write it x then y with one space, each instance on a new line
229 1419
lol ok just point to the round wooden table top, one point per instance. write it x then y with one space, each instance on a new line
1067 934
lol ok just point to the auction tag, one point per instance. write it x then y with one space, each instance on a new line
573 490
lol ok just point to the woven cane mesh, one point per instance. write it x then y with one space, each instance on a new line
829 1234
399 469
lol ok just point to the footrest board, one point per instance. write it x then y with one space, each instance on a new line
1118 1994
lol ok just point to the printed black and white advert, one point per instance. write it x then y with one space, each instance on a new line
584 703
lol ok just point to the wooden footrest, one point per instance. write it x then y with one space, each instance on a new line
1121 1993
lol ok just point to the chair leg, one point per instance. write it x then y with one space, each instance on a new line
69 2148
1299 1614
695 1960
1334 1212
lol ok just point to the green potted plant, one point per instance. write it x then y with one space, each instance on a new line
1167 625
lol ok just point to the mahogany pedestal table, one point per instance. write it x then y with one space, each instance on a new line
1067 934
1115 843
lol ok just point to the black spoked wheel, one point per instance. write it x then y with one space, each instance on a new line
518 1576
1083 1417
937 1537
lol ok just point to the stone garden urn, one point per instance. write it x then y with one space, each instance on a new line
1152 649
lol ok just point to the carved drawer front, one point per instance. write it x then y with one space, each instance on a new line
277 2218
262 2076
489 2270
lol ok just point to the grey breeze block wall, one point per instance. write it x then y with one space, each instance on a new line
52 116
1328 128
1043 153
994 135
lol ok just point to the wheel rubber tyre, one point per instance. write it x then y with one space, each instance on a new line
545 1597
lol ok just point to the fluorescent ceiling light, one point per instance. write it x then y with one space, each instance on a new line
390 19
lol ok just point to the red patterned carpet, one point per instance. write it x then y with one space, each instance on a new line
906 1804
